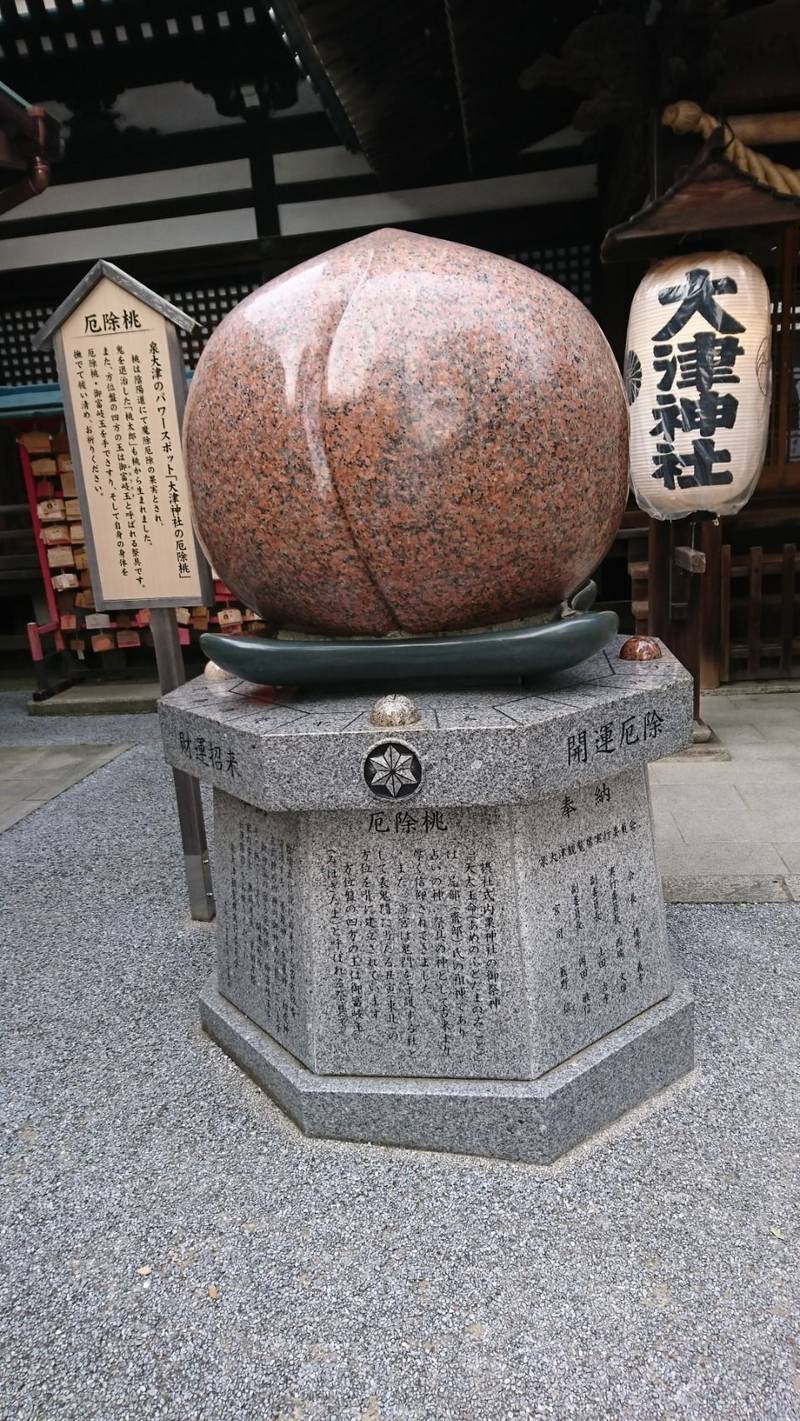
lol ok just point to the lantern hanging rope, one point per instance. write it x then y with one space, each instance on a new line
688 117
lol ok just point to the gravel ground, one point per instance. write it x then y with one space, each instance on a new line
174 1248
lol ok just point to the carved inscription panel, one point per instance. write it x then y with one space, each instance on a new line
417 967
592 913
261 959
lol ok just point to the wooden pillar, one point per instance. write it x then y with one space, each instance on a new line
725 613
262 176
684 596
709 630
690 639
659 558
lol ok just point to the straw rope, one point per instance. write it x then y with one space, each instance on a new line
688 117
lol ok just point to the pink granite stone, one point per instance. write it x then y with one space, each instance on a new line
408 434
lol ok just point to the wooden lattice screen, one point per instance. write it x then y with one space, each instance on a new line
760 613
207 301
569 264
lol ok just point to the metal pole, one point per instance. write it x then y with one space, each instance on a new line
171 673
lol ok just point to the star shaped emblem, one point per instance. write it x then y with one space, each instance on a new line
392 771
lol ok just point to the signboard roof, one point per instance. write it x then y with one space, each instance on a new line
43 340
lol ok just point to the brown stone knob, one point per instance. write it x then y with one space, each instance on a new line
394 710
640 648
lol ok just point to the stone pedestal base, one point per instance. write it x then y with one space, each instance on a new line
450 936
529 1121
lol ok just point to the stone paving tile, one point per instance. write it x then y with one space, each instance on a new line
29 778
734 888
692 798
779 731
740 734
717 857
732 825
790 853
780 822
13 757
18 809
769 798
739 825
667 833
760 707
42 786
785 707
724 710
730 831
781 749
680 771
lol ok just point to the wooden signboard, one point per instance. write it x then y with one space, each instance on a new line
123 383
122 379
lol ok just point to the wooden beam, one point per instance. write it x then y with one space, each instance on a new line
263 194
756 128
87 218
565 224
147 152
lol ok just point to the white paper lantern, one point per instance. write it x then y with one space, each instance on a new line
698 380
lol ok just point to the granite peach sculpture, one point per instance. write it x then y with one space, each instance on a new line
405 434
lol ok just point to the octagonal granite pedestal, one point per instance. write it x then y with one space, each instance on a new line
449 936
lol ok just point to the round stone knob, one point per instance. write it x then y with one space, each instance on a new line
394 710
640 648
213 672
